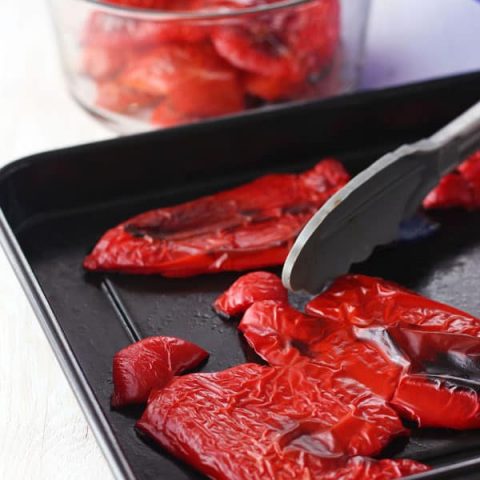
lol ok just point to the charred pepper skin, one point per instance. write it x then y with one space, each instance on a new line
149 364
257 422
442 384
245 228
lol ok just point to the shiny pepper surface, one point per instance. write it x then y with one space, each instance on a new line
247 227
149 364
249 289
440 387
256 422
460 188
368 301
283 336
412 351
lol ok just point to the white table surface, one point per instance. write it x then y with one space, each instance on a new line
43 432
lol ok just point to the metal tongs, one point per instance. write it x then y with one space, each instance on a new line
367 212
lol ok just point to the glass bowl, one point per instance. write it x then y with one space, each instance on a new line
138 69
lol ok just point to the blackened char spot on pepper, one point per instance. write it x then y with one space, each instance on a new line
272 44
300 209
446 357
226 225
315 77
302 347
135 231
159 232
454 368
259 214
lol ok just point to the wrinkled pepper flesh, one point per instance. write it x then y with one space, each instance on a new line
247 290
419 355
366 301
257 422
340 379
247 227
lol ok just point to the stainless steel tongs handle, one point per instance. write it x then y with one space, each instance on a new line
458 139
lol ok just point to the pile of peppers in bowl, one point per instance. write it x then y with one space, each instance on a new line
206 58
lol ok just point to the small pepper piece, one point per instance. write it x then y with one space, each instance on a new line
149 364
102 63
248 227
460 188
248 289
365 301
119 98
192 79
268 87
284 52
255 422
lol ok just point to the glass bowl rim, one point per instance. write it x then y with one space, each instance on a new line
160 15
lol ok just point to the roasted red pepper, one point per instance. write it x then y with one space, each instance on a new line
256 422
409 370
119 98
283 336
248 289
336 380
441 386
368 301
247 227
192 80
102 63
282 53
149 364
437 402
430 375
458 189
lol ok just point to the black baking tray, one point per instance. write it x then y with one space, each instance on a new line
55 205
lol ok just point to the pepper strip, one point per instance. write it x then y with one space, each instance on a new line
247 227
368 301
